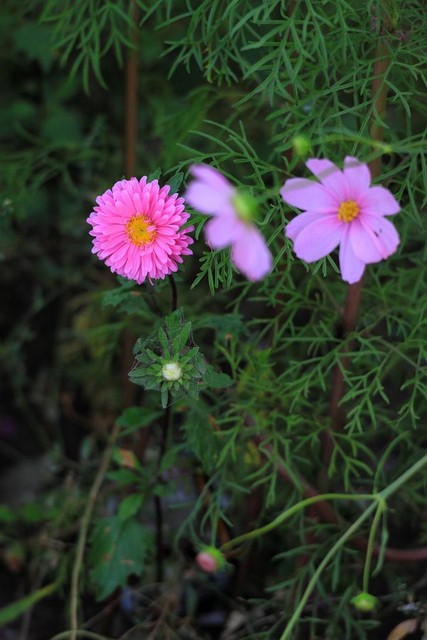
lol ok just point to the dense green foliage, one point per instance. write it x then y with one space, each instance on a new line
251 88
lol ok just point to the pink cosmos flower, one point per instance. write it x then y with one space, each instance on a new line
343 209
137 229
231 224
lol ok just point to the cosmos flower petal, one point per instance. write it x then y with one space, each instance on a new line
211 193
356 221
309 195
296 225
384 232
351 266
251 255
207 199
364 243
379 201
357 177
212 178
222 231
318 239
329 175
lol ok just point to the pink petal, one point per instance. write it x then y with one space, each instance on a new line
309 195
207 199
251 255
364 242
379 201
329 175
211 177
318 238
351 266
223 231
357 176
296 225
384 232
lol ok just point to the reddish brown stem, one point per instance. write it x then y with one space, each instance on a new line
354 291
131 130
131 116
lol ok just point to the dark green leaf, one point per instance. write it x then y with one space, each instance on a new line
118 550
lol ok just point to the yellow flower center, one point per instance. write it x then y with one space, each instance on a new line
348 210
138 230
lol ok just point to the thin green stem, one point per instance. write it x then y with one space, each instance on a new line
381 497
174 293
84 527
323 564
371 544
256 533
79 634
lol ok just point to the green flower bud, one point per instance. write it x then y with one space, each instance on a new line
301 146
365 602
245 205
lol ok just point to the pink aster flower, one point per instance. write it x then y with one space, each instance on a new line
231 224
342 209
137 229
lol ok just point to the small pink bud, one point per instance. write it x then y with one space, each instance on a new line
210 560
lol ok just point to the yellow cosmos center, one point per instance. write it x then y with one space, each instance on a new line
348 210
138 230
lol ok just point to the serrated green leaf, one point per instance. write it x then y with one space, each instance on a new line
200 436
181 339
215 380
118 550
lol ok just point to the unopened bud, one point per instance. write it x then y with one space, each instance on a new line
245 205
171 371
365 602
301 146
210 560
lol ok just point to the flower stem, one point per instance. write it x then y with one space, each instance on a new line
327 513
84 527
130 137
174 292
167 420
354 292
380 498
371 544
256 533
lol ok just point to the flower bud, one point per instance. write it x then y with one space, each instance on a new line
365 602
301 146
171 371
210 560
245 206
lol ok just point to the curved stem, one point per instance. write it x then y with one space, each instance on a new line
379 92
327 513
256 533
382 496
84 527
371 544
79 634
